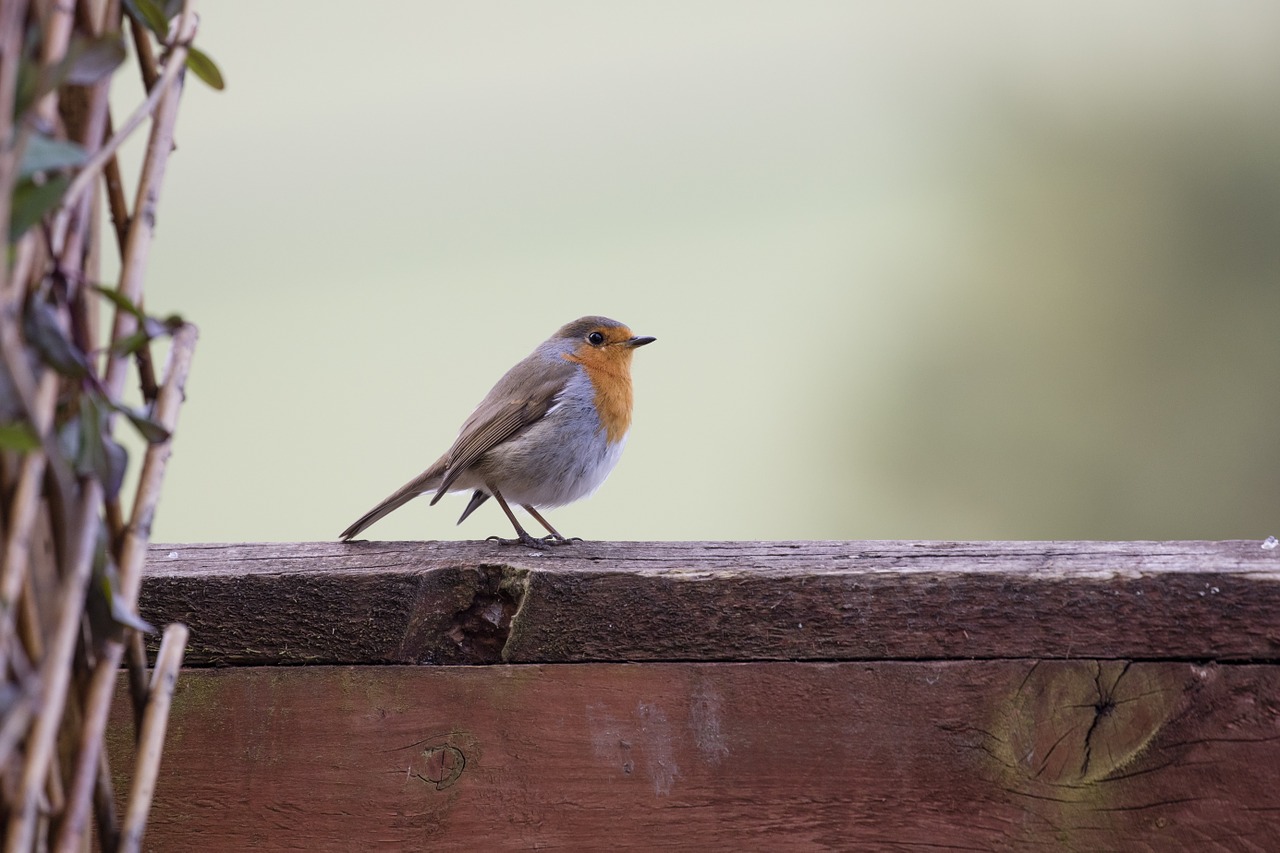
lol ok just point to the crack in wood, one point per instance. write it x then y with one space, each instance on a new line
482 629
1101 708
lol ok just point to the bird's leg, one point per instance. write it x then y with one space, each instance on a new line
522 536
555 538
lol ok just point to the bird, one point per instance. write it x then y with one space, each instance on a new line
548 433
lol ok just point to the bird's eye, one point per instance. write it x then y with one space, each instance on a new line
595 339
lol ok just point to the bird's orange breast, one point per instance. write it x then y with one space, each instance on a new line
609 369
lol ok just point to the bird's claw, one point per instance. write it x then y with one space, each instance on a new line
525 540
557 539
544 544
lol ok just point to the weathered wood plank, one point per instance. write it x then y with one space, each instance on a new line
984 755
468 602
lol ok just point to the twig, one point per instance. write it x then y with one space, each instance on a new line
142 225
26 693
97 701
146 373
11 337
55 672
38 395
29 628
136 659
12 13
163 100
22 516
115 195
151 743
104 807
38 409
146 57
19 368
88 758
155 462
114 518
133 553
57 34
46 791
91 133
16 718
164 85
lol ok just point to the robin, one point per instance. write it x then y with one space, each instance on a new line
548 433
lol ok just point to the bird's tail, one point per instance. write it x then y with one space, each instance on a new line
427 481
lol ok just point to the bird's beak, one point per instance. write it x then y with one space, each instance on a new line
632 343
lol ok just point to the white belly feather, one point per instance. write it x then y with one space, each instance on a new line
562 458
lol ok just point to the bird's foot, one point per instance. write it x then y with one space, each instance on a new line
523 539
557 539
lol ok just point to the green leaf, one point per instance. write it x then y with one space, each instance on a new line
127 618
150 15
90 457
150 429
51 342
28 88
69 438
86 61
18 436
205 68
32 200
100 591
45 154
89 60
153 432
99 455
148 327
131 344
120 301
112 473
107 612
156 327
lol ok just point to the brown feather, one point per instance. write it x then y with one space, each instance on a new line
504 413
424 482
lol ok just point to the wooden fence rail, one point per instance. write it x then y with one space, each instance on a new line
722 695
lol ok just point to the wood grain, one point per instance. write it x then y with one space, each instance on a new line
982 755
469 602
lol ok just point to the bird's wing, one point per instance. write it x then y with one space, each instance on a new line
513 405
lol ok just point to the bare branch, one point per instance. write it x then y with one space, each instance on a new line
151 741
97 701
166 85
55 673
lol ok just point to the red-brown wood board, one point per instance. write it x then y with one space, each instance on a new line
706 740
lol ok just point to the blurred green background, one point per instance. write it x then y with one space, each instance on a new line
916 270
